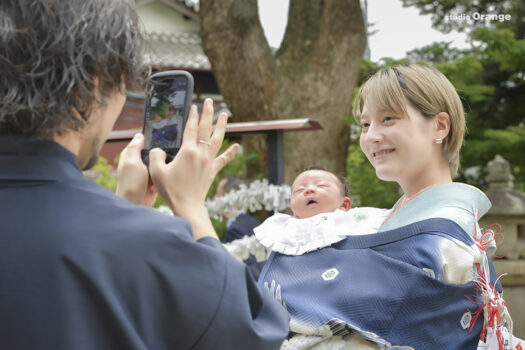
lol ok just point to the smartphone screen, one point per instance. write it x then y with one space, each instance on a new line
166 111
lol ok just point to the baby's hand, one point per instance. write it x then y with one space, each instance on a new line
275 291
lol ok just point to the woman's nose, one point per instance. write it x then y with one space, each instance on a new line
373 133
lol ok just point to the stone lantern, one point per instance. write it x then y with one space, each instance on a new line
508 210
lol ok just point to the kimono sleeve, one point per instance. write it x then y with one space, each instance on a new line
247 317
165 290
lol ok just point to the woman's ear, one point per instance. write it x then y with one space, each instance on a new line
442 122
346 205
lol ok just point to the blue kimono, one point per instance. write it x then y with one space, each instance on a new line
409 286
83 269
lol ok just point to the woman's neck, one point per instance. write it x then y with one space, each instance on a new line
414 191
406 199
429 178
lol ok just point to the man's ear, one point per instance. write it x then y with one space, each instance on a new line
346 205
442 125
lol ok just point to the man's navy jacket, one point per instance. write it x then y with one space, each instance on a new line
83 269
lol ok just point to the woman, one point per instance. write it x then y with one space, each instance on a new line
419 282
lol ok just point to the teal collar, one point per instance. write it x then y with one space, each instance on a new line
456 201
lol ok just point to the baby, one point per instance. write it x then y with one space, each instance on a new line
316 191
321 215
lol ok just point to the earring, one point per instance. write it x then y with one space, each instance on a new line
439 140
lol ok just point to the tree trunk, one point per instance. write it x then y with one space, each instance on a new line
312 75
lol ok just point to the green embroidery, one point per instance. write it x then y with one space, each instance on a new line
360 217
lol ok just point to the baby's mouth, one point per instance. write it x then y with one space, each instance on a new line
311 201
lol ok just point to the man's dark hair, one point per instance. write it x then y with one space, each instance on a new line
50 53
233 182
343 182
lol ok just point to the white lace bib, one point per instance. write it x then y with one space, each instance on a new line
291 236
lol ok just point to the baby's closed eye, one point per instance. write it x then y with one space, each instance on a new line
298 190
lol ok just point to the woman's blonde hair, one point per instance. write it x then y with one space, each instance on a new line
426 89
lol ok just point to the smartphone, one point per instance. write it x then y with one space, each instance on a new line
166 111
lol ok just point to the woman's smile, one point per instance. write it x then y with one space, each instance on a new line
381 154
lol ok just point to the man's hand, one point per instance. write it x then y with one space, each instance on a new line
185 181
134 182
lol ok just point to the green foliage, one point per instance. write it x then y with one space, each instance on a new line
466 74
483 147
105 174
501 47
463 68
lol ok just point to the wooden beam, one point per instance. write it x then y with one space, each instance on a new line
261 127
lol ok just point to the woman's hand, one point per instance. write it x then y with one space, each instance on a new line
185 181
134 182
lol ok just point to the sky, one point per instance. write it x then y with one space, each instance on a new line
398 29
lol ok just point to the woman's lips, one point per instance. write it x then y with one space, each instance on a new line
383 152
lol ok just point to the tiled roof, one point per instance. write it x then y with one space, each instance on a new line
180 50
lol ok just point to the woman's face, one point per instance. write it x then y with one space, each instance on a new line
401 148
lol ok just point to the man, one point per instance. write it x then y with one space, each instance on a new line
79 267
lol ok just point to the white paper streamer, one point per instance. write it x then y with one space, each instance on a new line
259 195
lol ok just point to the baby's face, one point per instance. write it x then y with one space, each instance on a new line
315 192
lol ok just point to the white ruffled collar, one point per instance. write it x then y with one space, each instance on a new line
292 236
